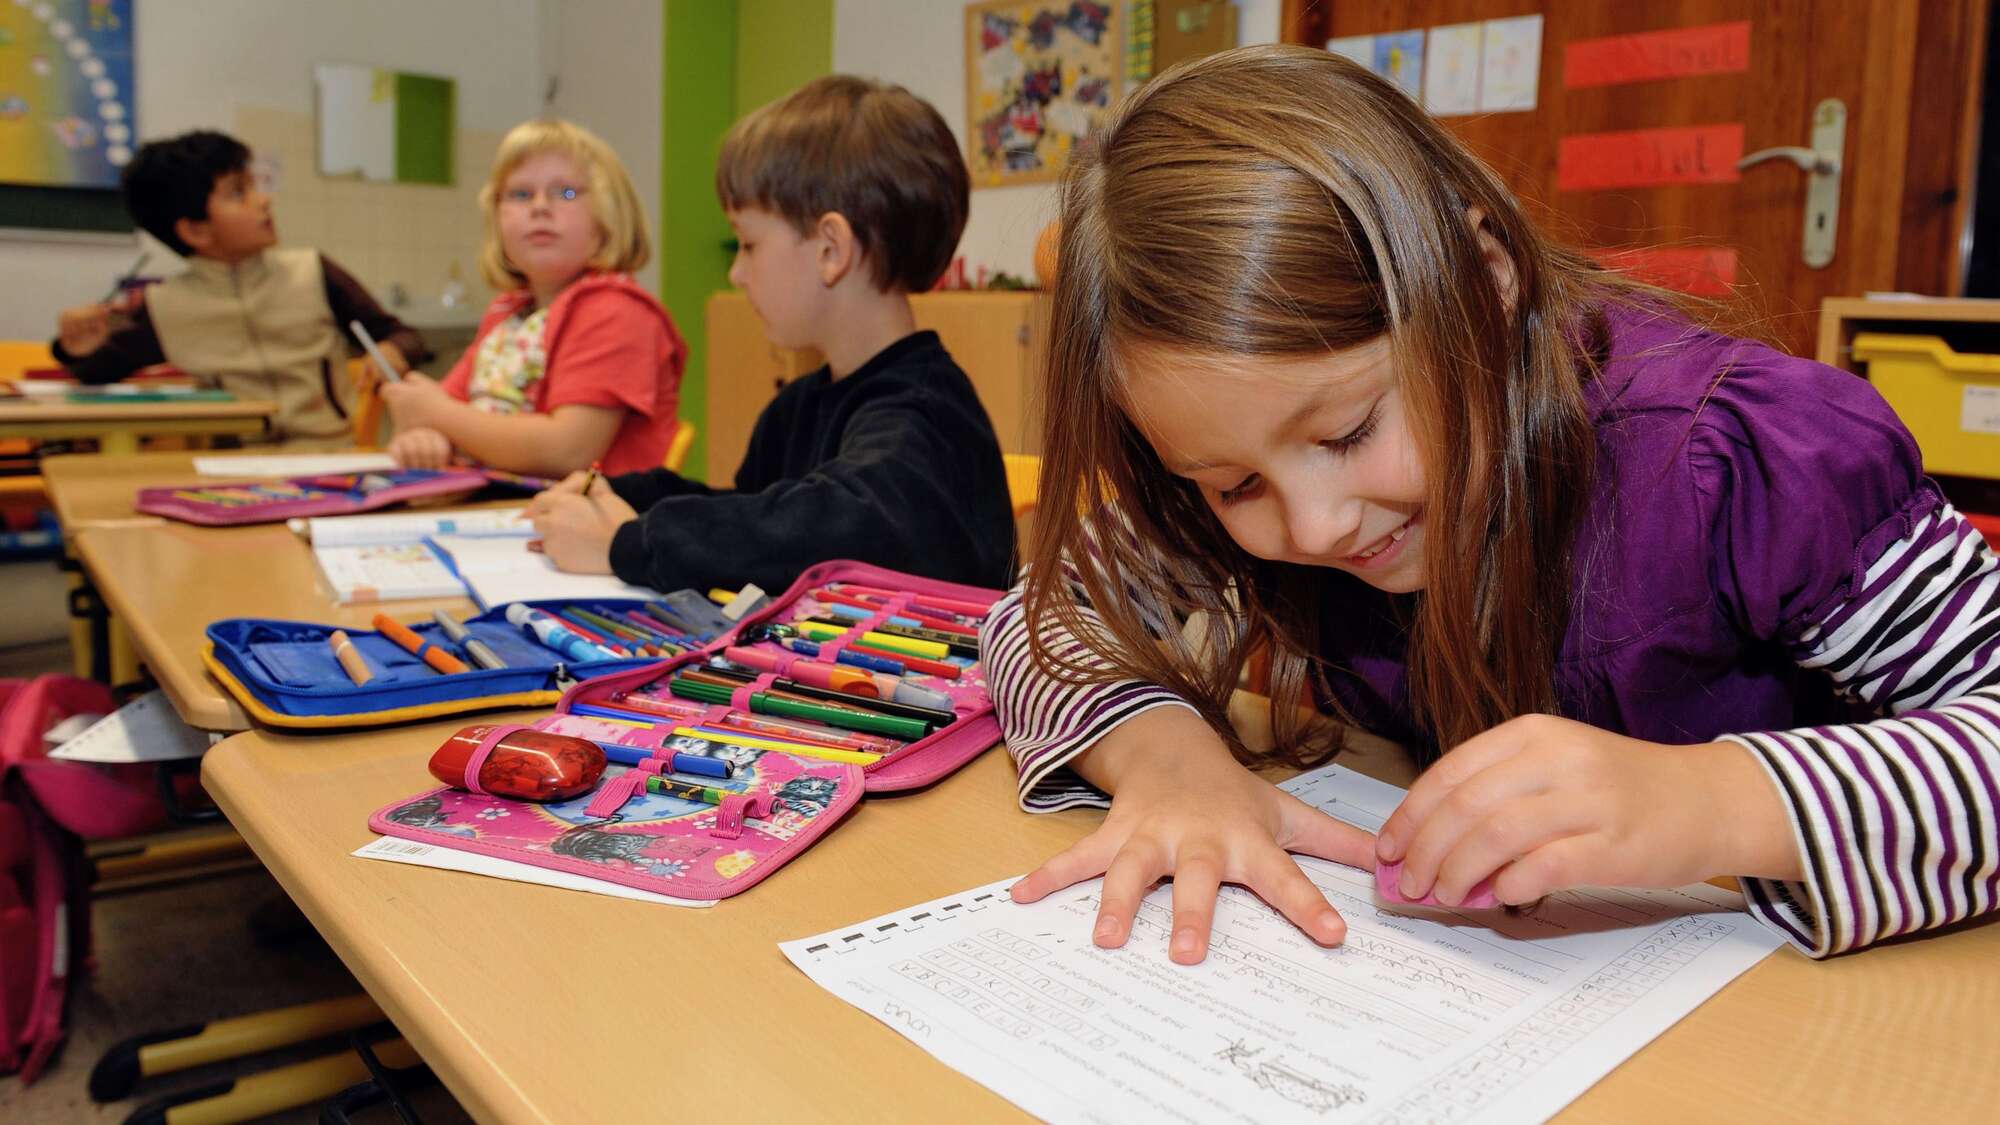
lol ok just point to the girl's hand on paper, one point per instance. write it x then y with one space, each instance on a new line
1542 804
576 530
421 448
1183 807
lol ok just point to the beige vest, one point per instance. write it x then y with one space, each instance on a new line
261 330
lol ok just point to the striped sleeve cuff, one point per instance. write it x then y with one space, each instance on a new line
1046 721
1895 821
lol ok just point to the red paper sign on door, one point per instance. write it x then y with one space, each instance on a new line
1682 52
1693 154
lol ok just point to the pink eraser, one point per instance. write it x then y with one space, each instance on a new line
1386 874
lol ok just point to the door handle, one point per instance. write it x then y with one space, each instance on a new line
1805 158
1821 163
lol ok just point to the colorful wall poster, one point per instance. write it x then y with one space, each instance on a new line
66 109
1039 76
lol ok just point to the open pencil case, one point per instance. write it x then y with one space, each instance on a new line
337 494
285 674
779 801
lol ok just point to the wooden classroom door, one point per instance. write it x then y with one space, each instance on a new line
1643 113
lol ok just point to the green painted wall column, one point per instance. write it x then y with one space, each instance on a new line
698 91
721 59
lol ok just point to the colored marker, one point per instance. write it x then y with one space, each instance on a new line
675 760
555 634
686 790
922 601
955 644
905 616
768 703
844 656
417 646
824 753
350 658
847 681
821 631
570 622
481 653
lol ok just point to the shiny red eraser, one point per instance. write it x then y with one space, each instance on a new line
526 764
1386 874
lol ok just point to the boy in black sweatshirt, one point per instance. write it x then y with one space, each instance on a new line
846 197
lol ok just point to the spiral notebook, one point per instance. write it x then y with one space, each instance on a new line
1423 1014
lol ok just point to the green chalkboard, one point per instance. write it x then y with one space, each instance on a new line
62 208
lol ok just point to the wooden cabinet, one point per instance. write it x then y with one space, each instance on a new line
997 337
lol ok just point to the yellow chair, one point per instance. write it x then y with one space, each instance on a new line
1024 481
367 383
677 448
18 357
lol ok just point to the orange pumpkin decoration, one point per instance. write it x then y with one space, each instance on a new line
1045 254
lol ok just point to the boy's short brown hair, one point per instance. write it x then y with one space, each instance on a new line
876 153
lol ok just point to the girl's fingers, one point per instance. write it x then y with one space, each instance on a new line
1197 880
1557 866
1276 878
1461 810
1133 871
1312 832
1085 859
1437 783
1512 830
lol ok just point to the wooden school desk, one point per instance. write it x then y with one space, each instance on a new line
536 1004
168 582
118 426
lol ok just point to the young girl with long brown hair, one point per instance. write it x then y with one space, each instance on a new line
1656 604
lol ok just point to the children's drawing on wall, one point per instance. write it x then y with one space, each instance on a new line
66 115
1038 78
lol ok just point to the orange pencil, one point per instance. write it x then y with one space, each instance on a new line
430 653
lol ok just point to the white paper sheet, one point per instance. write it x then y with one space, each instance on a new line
500 569
397 850
411 527
148 729
293 464
1424 1014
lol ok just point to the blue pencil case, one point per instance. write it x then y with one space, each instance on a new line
285 674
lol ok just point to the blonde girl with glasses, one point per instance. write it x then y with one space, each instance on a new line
574 364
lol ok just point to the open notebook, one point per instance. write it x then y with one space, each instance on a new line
501 569
378 558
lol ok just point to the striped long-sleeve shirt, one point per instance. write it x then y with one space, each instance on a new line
1896 818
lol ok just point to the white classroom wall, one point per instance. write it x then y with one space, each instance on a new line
919 44
220 63
604 59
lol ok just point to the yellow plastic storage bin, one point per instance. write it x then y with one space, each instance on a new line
1949 400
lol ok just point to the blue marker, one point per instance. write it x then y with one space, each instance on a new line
677 761
856 613
551 632
845 656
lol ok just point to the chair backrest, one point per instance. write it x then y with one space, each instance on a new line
18 357
677 448
367 402
1024 481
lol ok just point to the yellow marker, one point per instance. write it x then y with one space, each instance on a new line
820 631
721 596
853 757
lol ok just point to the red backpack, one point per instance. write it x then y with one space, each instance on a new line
47 808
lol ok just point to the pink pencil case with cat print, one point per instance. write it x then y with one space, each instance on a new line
791 782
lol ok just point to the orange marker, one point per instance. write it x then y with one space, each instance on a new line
429 653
